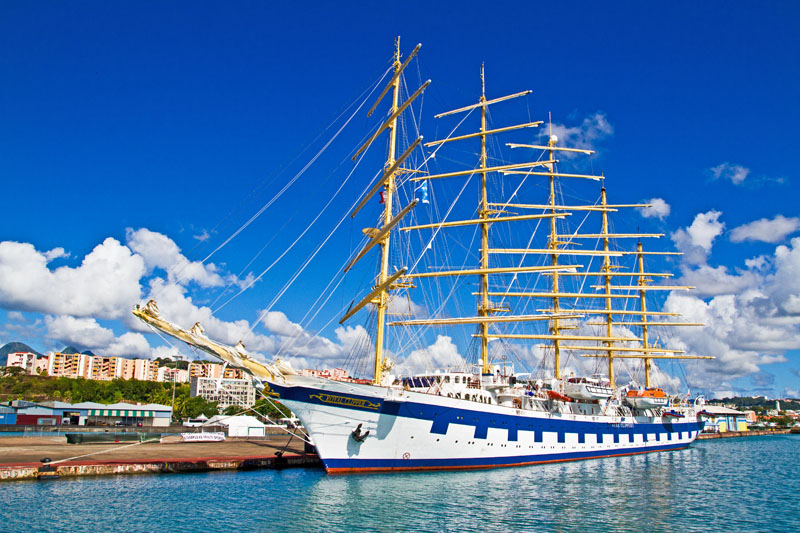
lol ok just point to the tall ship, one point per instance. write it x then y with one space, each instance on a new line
547 278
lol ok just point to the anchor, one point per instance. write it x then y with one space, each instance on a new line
357 435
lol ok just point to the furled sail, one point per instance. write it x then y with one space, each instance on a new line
235 355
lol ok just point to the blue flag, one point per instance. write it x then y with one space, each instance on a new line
421 192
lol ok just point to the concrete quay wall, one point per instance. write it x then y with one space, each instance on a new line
72 469
751 433
21 457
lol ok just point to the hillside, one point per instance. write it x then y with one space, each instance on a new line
13 347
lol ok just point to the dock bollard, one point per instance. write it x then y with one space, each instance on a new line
46 471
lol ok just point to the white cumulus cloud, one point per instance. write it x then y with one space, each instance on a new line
159 251
695 241
766 230
752 316
87 333
586 135
659 209
735 173
442 354
104 285
278 323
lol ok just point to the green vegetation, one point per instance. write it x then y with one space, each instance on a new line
17 386
171 363
758 403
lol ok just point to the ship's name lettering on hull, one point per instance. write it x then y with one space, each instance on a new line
345 401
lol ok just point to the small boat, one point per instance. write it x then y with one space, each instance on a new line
647 398
591 388
672 414
553 395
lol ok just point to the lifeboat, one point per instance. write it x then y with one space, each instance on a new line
592 388
647 398
553 395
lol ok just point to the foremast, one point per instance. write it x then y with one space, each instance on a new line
389 188
386 281
484 309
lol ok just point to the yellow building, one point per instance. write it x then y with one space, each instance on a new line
141 369
104 368
213 370
70 365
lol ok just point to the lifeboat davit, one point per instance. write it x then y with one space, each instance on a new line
647 398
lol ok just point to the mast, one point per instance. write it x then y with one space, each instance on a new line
379 296
607 270
553 245
389 187
483 308
643 306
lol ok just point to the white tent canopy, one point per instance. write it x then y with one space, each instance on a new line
238 426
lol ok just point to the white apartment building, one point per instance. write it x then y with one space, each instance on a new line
24 360
238 392
172 375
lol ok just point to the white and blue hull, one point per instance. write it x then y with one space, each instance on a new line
416 431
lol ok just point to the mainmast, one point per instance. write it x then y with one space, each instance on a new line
555 330
607 271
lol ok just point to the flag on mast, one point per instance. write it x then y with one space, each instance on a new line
421 192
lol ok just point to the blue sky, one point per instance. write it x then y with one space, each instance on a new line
153 124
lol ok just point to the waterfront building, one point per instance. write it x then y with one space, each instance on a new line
238 392
8 415
722 419
172 375
214 370
24 413
33 414
126 414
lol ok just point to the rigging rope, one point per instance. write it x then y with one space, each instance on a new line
280 193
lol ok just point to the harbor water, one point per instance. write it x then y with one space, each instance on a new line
744 484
